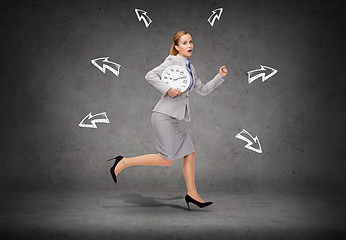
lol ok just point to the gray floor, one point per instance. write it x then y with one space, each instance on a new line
162 213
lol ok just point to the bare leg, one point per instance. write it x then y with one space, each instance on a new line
189 174
148 159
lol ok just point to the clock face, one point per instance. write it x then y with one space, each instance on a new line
176 77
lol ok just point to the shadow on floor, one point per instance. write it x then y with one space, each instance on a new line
140 200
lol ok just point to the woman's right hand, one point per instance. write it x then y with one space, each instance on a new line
172 92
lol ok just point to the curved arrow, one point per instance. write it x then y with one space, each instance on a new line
215 15
142 15
249 142
94 121
105 66
254 74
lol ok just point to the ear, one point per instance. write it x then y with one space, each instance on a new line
175 46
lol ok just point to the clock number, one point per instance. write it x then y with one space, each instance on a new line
165 77
185 81
181 73
172 70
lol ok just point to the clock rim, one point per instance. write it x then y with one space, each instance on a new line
184 69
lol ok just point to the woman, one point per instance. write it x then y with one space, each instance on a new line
171 140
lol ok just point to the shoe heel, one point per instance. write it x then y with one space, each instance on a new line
188 206
117 160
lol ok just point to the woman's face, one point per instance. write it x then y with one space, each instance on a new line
185 46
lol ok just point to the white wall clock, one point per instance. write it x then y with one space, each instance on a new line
177 77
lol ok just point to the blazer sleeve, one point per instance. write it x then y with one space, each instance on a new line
205 89
154 76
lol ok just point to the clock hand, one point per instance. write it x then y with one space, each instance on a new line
179 78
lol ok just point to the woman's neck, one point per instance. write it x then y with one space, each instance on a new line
184 57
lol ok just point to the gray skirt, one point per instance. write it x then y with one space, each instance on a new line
172 142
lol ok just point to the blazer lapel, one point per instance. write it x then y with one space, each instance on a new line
181 61
193 76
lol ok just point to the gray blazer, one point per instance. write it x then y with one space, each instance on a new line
175 107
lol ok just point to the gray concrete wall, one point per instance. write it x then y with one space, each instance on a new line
49 85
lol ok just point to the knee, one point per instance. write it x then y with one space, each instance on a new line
169 163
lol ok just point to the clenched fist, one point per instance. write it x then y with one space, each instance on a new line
223 71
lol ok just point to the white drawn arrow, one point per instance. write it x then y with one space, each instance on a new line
260 73
215 15
93 122
104 63
249 142
142 15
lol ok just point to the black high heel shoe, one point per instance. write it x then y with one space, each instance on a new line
117 160
199 204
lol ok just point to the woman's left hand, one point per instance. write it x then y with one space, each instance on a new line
223 71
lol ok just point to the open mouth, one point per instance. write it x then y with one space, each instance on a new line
189 51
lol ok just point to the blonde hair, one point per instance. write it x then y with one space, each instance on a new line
175 39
